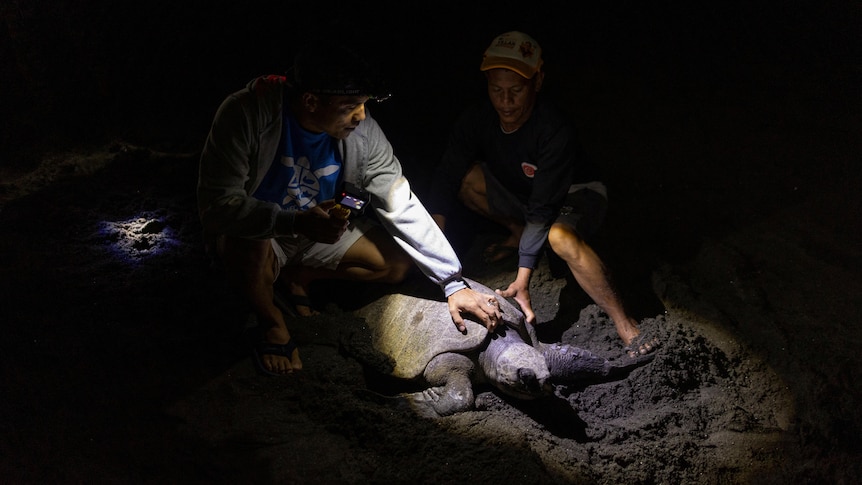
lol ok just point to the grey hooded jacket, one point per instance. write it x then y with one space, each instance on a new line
242 145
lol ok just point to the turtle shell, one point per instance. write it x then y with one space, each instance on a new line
412 329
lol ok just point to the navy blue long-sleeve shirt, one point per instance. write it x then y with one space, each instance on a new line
537 163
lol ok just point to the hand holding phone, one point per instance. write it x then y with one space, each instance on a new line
340 212
349 205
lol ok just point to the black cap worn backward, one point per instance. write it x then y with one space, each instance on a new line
334 69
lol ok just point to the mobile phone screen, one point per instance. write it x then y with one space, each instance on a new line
352 202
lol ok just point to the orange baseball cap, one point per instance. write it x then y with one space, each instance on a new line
516 51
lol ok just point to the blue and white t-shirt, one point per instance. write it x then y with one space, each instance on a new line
306 170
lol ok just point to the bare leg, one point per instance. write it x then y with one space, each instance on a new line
286 283
591 274
375 257
251 268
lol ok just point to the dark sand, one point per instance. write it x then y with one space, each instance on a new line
734 229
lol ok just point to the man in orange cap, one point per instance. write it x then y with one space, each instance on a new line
514 159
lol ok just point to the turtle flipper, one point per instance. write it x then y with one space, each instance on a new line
568 363
627 364
451 389
436 402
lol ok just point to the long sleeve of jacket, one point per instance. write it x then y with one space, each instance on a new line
401 212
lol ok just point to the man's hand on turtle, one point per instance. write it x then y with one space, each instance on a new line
521 294
482 306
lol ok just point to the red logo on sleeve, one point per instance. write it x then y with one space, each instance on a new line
529 169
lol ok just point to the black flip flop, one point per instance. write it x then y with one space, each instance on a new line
263 348
498 252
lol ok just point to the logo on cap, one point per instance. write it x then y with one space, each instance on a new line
515 51
527 50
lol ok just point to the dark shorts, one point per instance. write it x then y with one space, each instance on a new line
584 209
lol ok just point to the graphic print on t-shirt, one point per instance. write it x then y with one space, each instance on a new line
305 185
306 170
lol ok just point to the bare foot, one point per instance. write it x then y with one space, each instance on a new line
302 305
276 354
627 330
637 342
499 251
295 299
644 343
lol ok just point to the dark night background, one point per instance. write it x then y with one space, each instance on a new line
709 118
673 75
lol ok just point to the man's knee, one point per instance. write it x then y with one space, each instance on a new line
472 185
399 266
247 259
565 242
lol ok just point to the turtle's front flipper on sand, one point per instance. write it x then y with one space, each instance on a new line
451 389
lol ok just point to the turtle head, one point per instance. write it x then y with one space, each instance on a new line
522 373
514 367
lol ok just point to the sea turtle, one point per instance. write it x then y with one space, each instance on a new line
413 331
